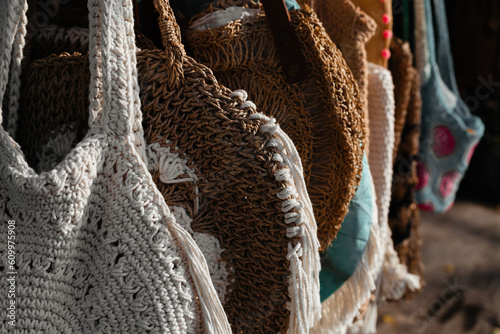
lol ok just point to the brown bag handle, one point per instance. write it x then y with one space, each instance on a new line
285 39
159 25
278 18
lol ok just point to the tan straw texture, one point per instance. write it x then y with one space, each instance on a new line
403 76
350 29
321 114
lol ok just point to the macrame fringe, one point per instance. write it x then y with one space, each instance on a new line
305 307
312 261
391 283
340 309
367 325
396 279
214 316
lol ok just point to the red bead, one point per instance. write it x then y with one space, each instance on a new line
387 34
386 54
386 18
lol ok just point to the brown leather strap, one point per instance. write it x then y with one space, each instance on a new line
137 23
285 39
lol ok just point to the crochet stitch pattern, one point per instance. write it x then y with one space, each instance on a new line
395 278
350 29
97 248
449 132
249 196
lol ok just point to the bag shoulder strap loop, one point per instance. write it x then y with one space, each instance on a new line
286 40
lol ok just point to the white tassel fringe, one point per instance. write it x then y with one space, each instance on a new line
305 307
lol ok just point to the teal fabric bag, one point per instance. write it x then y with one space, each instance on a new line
449 132
341 259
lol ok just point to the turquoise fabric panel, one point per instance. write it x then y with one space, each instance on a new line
192 7
341 259
292 5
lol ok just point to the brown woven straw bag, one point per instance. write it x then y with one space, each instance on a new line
350 29
404 218
229 173
321 114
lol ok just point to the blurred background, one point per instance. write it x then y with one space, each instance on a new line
461 249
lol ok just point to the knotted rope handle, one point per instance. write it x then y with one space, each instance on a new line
158 23
171 40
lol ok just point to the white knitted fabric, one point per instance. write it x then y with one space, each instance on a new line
304 258
394 278
96 247
55 150
381 107
342 307
172 168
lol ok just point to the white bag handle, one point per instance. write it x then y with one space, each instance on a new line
114 89
13 25
114 108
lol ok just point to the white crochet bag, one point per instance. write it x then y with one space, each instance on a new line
90 246
393 278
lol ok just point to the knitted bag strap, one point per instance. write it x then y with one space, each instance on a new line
114 88
438 43
123 116
429 32
13 26
112 85
422 52
117 93
442 46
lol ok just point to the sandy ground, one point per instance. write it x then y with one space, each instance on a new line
461 252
